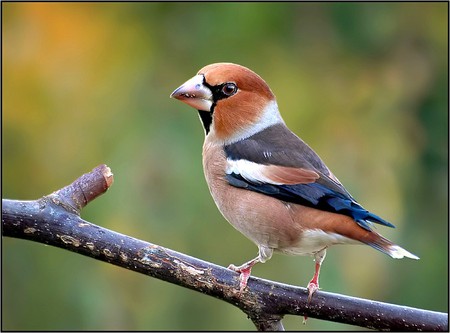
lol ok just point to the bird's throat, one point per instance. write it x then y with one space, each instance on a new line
206 118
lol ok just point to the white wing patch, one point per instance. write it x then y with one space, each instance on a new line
251 171
270 174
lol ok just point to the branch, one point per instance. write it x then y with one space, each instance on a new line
55 220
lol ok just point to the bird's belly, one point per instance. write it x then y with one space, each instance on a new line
264 220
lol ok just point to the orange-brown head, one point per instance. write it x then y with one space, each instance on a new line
233 101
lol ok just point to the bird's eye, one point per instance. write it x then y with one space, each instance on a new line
229 89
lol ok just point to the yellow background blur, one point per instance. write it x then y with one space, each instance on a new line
365 84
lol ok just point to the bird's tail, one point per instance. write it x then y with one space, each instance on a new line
386 246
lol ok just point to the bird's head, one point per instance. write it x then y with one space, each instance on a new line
233 102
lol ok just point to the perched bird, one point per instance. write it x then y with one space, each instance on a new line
267 182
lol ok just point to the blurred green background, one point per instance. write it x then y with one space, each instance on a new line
365 84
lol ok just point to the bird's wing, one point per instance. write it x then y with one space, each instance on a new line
277 163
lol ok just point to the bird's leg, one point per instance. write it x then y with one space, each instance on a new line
245 269
313 285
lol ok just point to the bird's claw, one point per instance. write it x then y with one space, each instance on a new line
243 277
233 267
312 288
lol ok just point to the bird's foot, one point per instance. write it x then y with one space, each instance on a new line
313 286
244 272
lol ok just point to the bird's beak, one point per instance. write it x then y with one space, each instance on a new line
194 93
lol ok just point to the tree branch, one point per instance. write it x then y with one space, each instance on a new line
55 220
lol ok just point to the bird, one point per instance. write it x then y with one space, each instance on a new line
267 182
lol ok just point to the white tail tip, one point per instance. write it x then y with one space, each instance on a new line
397 252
